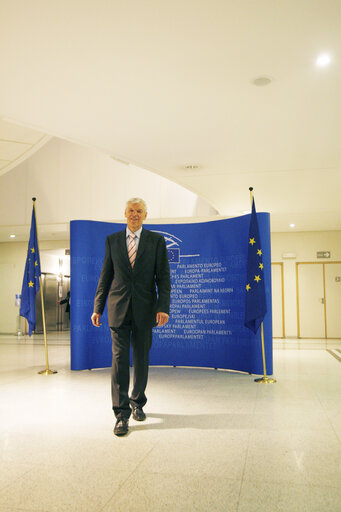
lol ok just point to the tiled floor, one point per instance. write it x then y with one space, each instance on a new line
213 440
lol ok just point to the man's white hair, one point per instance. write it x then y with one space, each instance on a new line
135 200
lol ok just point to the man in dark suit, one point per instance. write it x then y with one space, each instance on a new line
66 301
135 278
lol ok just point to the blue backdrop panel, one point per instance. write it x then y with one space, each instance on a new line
208 274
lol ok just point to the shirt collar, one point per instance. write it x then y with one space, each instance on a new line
137 233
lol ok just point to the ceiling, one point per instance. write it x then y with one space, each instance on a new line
18 143
169 84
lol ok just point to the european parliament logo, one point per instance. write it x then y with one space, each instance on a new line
173 246
174 255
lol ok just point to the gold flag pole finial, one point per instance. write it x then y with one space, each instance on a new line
47 370
265 379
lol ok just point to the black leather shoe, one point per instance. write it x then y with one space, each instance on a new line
138 414
121 427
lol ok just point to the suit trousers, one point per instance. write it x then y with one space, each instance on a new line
141 342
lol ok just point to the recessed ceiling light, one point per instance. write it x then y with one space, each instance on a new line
191 167
246 212
12 236
261 81
323 60
292 225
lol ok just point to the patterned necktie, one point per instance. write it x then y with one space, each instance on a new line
132 250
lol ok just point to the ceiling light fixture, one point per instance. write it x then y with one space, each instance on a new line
323 60
12 236
191 167
292 225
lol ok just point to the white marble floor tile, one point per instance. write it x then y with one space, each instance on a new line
154 492
11 509
331 406
264 496
10 472
304 457
63 489
208 435
47 449
195 452
292 419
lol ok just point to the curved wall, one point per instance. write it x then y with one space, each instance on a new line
75 182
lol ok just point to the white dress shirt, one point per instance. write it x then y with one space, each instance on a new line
137 236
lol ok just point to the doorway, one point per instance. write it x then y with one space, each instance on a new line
55 289
318 300
278 318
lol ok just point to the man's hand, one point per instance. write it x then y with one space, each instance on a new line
95 319
161 318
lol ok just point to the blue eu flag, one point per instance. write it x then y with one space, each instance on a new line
255 289
30 285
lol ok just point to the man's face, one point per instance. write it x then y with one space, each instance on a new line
135 215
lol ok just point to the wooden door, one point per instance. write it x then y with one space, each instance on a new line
333 299
278 328
310 300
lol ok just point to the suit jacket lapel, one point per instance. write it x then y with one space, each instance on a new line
123 247
142 245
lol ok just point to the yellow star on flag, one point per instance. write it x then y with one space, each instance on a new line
248 287
259 252
33 250
257 278
30 284
35 263
261 266
252 241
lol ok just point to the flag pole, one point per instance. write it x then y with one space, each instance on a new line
265 379
47 370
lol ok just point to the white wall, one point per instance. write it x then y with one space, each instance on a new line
305 245
74 182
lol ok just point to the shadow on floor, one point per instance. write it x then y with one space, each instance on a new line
199 421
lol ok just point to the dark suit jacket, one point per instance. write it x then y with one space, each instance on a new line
67 302
121 284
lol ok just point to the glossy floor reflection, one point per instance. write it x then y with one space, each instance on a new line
213 440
